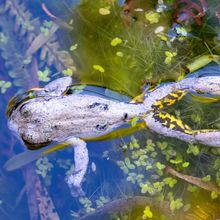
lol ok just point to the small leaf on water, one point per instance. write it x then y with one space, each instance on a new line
206 178
119 54
147 213
99 68
73 47
185 164
116 41
104 11
68 72
152 17
214 195
160 166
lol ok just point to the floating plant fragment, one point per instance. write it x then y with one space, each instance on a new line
98 68
116 41
104 11
147 213
169 57
119 54
4 86
44 75
73 47
152 17
68 72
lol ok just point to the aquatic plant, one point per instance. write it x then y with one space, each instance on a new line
25 68
143 163
18 24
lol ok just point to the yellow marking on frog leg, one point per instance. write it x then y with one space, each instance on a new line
169 100
168 125
169 121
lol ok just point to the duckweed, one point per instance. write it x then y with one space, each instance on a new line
43 167
98 68
152 17
104 11
4 86
147 213
116 41
44 75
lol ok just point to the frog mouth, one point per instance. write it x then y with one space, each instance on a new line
35 146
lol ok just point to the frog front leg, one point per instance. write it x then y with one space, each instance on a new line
81 160
167 125
56 88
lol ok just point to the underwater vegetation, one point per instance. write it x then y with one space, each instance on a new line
121 46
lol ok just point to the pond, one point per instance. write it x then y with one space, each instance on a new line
119 52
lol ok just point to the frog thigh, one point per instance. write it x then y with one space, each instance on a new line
81 160
166 124
208 137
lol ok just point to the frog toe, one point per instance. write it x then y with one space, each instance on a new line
76 191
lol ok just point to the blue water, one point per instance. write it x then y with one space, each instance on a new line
19 194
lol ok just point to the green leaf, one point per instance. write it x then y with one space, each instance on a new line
214 195
73 47
176 161
206 178
162 145
192 188
152 17
128 164
119 54
104 11
116 41
193 149
185 164
176 204
170 181
68 72
98 68
147 213
160 166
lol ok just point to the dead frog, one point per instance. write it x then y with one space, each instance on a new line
54 113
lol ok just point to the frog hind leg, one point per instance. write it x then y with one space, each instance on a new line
205 84
167 125
81 160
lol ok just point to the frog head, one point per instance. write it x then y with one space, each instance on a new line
22 111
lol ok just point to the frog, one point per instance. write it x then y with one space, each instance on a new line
55 114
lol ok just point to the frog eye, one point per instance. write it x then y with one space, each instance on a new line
25 112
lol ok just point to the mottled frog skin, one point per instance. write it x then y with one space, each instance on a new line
53 114
41 120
